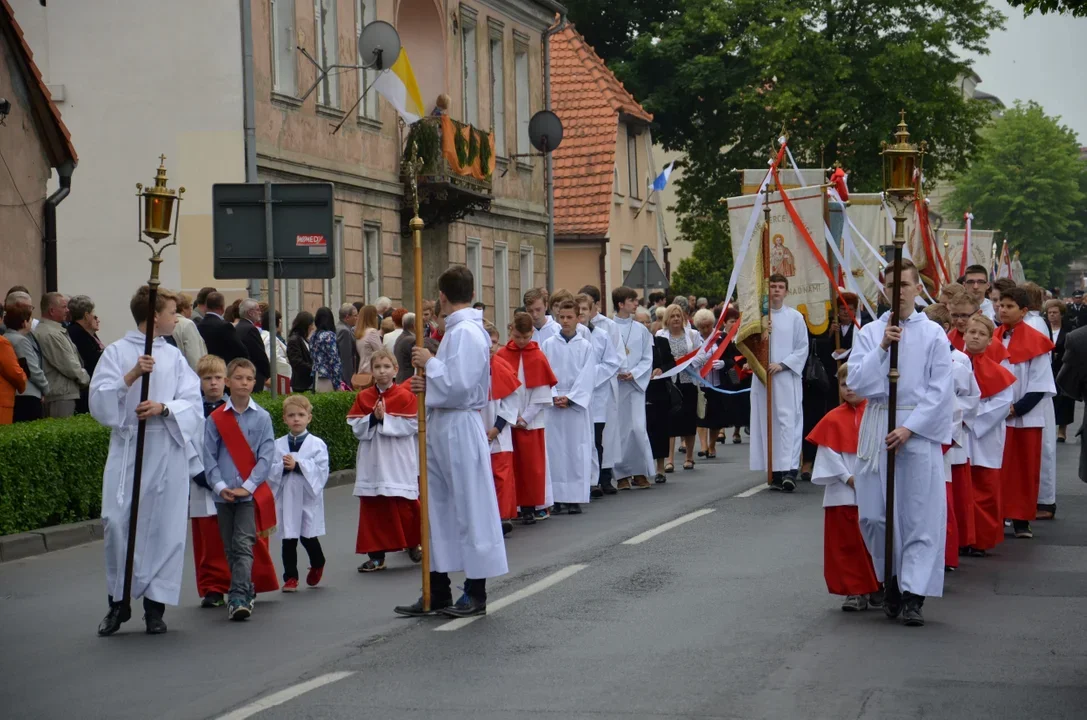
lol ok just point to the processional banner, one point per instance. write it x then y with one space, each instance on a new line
981 249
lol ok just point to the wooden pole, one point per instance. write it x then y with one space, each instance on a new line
892 398
416 226
835 269
766 267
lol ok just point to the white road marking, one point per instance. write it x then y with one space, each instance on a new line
753 491
521 594
639 539
284 696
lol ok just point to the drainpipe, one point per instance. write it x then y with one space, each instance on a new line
548 164
49 238
250 111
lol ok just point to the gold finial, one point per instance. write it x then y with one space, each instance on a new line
415 166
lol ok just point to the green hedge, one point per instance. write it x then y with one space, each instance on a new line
51 470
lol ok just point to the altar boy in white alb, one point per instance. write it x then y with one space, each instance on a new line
788 353
174 415
923 419
569 423
633 458
465 530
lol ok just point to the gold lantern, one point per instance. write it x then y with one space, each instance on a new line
160 207
902 166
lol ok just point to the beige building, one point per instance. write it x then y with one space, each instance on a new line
33 142
604 212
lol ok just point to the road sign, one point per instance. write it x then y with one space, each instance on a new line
302 230
646 273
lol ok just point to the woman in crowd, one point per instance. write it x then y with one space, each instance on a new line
734 377
711 417
391 337
298 352
367 337
283 365
327 371
28 403
658 401
682 341
1064 407
83 330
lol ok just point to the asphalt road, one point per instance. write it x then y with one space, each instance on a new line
723 616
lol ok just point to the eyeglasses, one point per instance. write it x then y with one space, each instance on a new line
963 316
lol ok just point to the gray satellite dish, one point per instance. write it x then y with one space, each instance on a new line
379 45
545 131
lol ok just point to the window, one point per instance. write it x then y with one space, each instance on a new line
632 166
371 251
290 302
498 92
501 289
615 180
521 79
528 278
333 288
469 58
284 69
328 92
626 260
473 258
366 13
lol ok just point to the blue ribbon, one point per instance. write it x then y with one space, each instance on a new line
702 381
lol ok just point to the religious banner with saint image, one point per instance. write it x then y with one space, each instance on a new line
789 255
981 249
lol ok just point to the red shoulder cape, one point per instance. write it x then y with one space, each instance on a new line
400 401
996 351
504 380
537 369
839 429
992 377
1026 343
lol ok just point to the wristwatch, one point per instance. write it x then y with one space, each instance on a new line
165 410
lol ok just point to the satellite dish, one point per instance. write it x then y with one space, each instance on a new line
545 131
379 45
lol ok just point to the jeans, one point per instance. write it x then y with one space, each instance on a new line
238 529
290 556
441 593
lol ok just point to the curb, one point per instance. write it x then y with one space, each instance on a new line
61 537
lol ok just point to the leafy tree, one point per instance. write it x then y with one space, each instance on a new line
1076 8
611 26
725 77
1028 183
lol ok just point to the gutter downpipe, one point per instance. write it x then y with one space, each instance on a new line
49 238
550 166
250 103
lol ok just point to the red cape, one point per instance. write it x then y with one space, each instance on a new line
537 369
839 429
995 352
400 401
992 377
1026 343
504 380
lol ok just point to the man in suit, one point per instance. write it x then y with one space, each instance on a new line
1072 381
345 341
248 332
1077 310
219 335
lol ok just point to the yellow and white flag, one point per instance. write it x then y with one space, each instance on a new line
398 86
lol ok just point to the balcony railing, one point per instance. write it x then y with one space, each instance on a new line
457 173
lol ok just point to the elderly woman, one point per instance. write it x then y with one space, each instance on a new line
682 341
83 330
713 415
28 403
390 338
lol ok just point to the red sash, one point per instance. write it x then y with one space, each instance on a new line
264 504
839 429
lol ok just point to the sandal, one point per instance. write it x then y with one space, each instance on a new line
701 453
688 465
711 456
669 468
371 566
736 440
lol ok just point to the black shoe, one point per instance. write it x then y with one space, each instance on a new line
155 624
776 483
596 492
557 508
608 488
911 612
507 528
528 516
806 476
892 601
111 623
788 483
416 609
875 600
660 478
1022 530
573 508
213 600
467 606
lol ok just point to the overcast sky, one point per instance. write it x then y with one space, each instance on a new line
1041 58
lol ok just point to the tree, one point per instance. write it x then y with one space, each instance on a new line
1028 183
1075 8
611 26
723 78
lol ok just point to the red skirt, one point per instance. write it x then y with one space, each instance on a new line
847 566
504 485
962 500
1020 473
988 515
209 557
530 466
387 524
951 545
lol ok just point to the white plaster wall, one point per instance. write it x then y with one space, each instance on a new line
141 78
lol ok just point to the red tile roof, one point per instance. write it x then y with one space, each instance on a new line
588 99
57 139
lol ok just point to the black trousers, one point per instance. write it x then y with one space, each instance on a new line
290 556
605 473
441 591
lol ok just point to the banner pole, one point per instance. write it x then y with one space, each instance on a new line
766 267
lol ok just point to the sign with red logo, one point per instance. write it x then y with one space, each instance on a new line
310 241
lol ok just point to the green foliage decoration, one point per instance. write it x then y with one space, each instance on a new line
426 136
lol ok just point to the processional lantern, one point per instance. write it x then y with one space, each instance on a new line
902 166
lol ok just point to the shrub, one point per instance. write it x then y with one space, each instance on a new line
51 470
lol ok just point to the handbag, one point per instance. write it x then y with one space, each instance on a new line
815 375
361 381
675 398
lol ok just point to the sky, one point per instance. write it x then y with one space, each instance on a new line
1040 58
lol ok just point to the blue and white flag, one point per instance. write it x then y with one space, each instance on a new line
661 181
